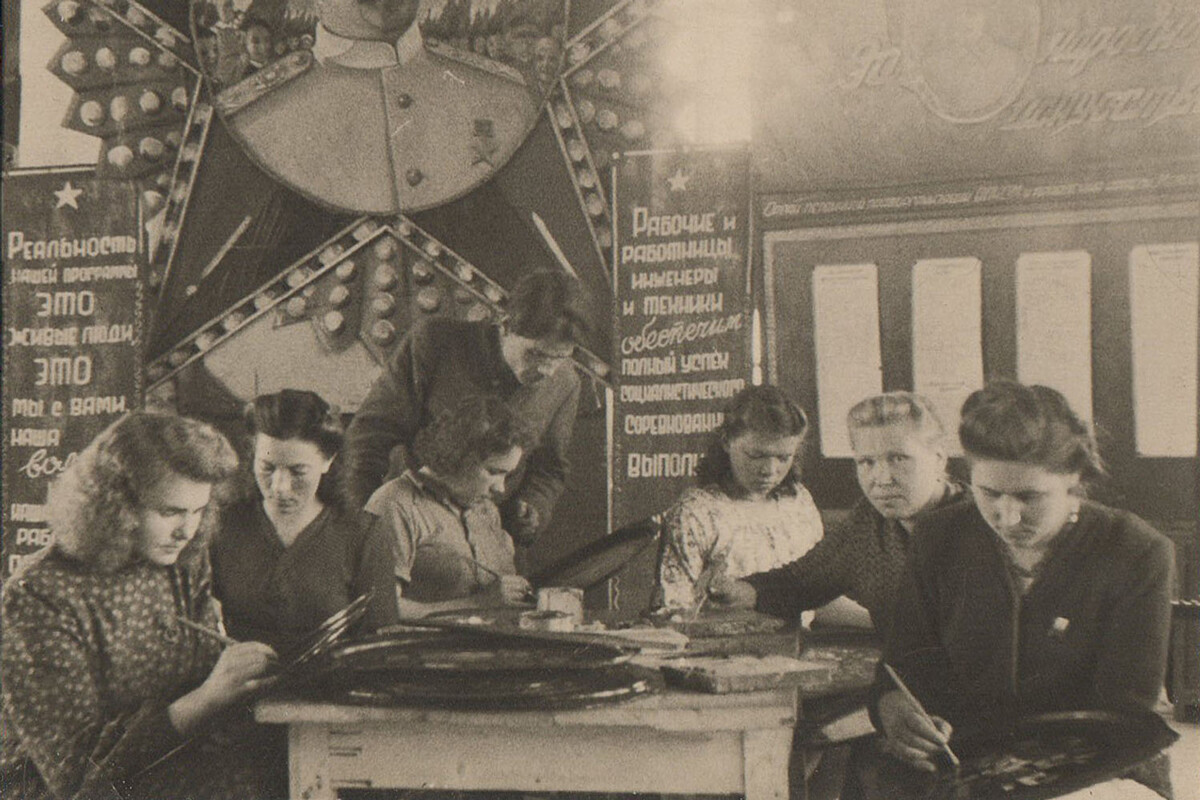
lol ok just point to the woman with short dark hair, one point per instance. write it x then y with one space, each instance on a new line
442 517
105 677
1031 599
525 359
293 554
748 511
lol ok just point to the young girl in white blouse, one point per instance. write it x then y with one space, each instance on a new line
748 511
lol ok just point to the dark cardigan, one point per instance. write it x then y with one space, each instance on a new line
1091 632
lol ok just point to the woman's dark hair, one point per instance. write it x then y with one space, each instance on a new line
255 21
299 414
761 409
477 427
545 304
92 508
1009 421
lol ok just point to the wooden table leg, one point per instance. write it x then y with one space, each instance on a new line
308 774
765 763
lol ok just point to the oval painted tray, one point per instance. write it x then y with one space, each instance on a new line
500 691
1038 757
457 652
599 559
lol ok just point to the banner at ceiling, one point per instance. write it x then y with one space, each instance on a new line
682 317
889 92
73 292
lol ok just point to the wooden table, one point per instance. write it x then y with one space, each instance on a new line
675 742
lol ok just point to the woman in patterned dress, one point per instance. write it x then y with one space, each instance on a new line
107 692
748 512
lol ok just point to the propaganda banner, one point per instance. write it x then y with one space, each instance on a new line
73 292
682 317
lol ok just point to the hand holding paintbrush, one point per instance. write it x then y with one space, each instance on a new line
912 734
510 589
713 572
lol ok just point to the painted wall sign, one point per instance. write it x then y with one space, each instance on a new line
880 92
1153 182
683 320
73 290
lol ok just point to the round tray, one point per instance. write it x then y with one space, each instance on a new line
598 560
1038 757
466 652
497 691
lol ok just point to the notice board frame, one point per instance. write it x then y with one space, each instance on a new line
1157 488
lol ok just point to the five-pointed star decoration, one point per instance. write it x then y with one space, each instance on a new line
68 195
679 181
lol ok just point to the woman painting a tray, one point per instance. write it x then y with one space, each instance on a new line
748 512
294 553
900 460
1029 600
109 689
442 518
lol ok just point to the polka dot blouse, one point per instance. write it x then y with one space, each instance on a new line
90 662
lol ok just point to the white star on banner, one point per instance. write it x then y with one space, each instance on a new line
679 181
68 195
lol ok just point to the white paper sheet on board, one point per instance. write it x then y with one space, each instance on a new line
1054 324
947 334
846 334
1164 289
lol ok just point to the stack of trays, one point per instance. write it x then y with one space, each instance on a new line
482 670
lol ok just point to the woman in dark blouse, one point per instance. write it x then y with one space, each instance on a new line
900 460
289 557
1029 600
109 690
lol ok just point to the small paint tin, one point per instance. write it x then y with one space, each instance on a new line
566 599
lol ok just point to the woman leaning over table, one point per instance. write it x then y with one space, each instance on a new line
442 518
748 512
900 460
293 554
1031 599
103 682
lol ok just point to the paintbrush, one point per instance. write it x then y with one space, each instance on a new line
479 565
912 699
529 596
703 582
209 632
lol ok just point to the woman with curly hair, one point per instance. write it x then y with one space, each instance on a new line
748 512
106 678
443 518
294 553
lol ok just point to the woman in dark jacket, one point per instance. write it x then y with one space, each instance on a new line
287 558
1030 599
900 460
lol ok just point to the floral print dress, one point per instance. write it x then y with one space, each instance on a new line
91 662
707 529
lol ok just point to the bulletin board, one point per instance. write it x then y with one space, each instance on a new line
1090 248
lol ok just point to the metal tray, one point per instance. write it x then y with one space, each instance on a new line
497 691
